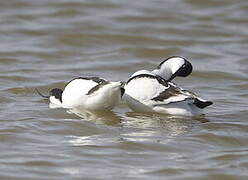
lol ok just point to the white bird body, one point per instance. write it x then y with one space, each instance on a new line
88 93
145 91
151 93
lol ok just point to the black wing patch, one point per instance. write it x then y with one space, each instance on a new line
158 78
95 79
167 93
95 88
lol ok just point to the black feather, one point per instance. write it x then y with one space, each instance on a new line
202 104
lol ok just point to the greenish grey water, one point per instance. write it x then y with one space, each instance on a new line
45 43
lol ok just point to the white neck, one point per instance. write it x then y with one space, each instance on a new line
165 73
169 67
105 98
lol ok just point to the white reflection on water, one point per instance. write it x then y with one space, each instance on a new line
155 127
108 118
133 127
104 117
86 140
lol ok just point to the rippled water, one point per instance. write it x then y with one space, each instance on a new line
46 43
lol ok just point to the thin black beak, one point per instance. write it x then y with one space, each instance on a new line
44 96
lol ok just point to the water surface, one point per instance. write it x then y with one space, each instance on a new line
45 43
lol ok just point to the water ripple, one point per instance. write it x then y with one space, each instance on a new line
45 44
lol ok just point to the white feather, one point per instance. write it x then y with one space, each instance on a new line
54 102
85 93
142 72
75 92
106 98
169 67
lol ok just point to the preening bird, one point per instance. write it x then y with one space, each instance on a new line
153 91
89 93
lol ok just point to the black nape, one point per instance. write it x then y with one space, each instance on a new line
57 93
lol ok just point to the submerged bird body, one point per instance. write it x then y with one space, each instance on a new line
87 93
151 93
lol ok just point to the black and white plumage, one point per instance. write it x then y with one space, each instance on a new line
89 93
172 67
148 92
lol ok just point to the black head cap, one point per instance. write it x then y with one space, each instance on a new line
57 93
185 69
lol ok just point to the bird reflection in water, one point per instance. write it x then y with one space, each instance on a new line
157 127
134 127
98 117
